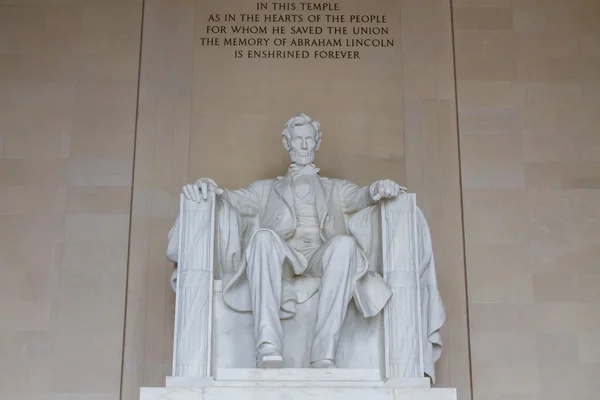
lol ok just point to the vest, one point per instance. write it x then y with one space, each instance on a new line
307 238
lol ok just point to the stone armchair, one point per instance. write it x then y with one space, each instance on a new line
212 340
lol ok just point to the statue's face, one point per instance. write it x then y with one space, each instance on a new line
303 144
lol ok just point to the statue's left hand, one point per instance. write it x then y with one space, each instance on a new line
198 191
385 189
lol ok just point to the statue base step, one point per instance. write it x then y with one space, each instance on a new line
296 384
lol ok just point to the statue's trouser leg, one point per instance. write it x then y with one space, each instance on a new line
264 270
339 257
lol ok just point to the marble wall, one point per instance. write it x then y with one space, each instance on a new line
68 94
85 316
528 78
204 113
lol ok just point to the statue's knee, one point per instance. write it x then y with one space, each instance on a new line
263 238
343 241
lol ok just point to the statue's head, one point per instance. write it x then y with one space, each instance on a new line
301 138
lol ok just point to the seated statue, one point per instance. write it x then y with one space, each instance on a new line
301 243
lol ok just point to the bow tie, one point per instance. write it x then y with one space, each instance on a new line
309 169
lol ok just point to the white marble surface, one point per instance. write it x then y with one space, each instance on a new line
298 377
295 393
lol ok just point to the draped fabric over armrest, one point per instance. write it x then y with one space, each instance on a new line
366 227
230 231
432 308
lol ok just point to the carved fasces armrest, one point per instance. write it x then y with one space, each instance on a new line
194 287
402 314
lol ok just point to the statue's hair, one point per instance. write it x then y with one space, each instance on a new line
299 120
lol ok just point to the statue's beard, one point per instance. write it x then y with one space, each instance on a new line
304 158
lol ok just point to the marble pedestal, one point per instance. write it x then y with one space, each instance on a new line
296 384
236 378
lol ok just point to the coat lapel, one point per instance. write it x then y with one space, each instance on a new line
283 187
323 197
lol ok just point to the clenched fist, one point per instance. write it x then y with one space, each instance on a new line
199 191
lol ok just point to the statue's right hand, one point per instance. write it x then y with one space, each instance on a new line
199 191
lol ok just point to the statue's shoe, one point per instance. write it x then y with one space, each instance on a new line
272 361
268 356
325 363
